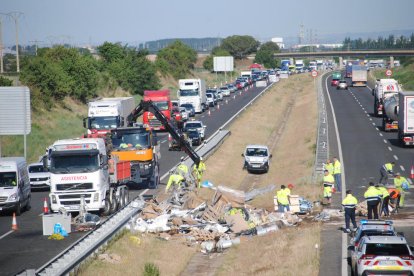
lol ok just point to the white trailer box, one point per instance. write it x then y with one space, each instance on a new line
359 75
192 91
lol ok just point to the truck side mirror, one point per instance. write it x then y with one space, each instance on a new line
44 161
84 122
270 156
242 154
351 248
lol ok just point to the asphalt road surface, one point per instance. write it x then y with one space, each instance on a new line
27 248
365 148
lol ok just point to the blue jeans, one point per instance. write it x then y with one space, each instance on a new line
281 208
338 182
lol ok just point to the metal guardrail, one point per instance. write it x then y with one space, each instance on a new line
70 258
322 141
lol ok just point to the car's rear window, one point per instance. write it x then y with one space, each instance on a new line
386 249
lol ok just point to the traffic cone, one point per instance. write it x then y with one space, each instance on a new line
227 102
412 172
218 106
45 207
14 223
209 112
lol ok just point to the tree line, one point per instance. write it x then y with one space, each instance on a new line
390 42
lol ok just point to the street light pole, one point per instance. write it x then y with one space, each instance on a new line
1 47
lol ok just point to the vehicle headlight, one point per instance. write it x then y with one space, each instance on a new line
247 159
96 197
14 197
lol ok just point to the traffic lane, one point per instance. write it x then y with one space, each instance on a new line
360 142
332 141
25 219
403 156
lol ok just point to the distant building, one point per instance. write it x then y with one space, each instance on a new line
279 42
319 46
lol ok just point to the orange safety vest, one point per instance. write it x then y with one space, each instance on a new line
393 190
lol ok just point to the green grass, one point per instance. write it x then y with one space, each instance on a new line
404 75
46 128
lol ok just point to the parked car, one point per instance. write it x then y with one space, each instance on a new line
195 125
210 99
218 95
382 255
225 91
256 158
39 176
190 109
232 87
194 137
184 114
342 85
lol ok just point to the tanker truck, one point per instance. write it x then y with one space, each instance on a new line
390 114
384 88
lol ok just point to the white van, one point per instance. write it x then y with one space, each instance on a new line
14 185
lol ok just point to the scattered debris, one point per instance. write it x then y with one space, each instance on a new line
110 258
216 225
327 214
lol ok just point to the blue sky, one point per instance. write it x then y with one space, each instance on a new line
135 21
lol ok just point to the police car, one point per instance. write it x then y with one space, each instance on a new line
373 228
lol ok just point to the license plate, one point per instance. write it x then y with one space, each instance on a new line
256 166
73 207
387 263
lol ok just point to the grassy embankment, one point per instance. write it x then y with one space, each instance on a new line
404 75
293 146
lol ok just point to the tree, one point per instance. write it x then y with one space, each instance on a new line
240 46
265 54
111 52
176 59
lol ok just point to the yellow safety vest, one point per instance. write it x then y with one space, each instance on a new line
328 179
183 168
337 167
388 167
282 197
383 192
174 179
398 183
330 168
349 201
372 194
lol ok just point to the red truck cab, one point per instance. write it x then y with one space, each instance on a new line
162 99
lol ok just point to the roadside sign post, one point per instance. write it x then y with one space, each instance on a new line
314 74
388 73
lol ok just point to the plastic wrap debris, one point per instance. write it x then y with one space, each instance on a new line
207 184
216 228
305 205
327 214
266 228
207 246
260 191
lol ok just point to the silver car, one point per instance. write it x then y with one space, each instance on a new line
342 85
225 91
39 177
382 255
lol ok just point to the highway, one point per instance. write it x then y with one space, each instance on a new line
27 248
365 148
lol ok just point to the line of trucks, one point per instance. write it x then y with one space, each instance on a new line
116 150
396 107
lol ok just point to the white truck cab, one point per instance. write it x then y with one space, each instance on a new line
15 192
78 167
192 91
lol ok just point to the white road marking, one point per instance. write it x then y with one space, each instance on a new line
377 128
370 119
373 124
381 134
389 148
8 233
366 112
143 192
385 141
163 141
402 168
395 157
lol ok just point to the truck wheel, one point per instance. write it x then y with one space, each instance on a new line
106 211
155 179
125 198
114 205
384 125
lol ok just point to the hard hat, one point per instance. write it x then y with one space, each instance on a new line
290 186
201 158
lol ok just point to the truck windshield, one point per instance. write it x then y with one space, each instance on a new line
8 179
256 152
74 163
131 141
190 92
103 122
36 169
162 105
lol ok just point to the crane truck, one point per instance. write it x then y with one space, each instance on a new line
92 169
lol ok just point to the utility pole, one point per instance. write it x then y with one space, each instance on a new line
15 16
1 47
36 44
